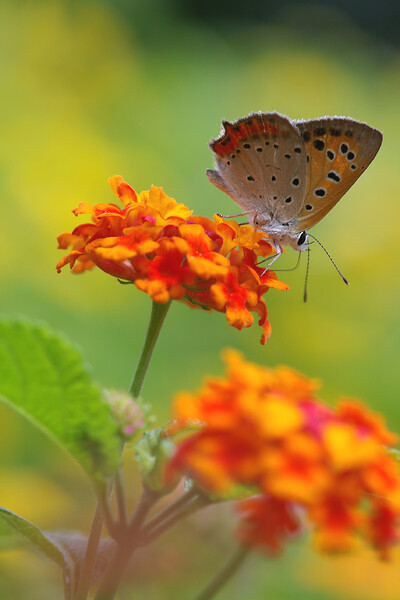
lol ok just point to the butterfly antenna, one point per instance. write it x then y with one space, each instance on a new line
307 271
330 258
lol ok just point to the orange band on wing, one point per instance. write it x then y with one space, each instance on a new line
242 129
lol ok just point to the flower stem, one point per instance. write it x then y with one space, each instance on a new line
158 314
90 554
224 575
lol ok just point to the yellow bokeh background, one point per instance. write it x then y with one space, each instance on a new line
93 89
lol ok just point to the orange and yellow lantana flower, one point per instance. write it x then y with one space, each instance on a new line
166 252
265 429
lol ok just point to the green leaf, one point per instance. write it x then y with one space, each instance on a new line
16 531
11 523
67 549
43 377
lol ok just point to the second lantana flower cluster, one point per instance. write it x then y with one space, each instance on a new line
166 252
265 430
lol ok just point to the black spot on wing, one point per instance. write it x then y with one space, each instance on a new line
319 145
330 154
334 176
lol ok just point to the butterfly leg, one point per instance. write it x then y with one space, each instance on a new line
277 255
242 214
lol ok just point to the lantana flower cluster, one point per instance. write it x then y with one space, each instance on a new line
166 252
266 431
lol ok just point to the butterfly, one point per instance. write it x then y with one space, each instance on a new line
287 174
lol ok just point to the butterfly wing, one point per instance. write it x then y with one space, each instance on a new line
261 164
339 150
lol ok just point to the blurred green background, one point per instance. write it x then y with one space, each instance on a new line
91 89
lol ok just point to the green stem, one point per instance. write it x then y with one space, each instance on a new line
158 314
224 575
90 554
183 506
173 507
174 518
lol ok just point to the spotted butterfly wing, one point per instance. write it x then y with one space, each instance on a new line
287 175
261 164
338 151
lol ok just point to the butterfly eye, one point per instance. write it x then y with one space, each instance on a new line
302 238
